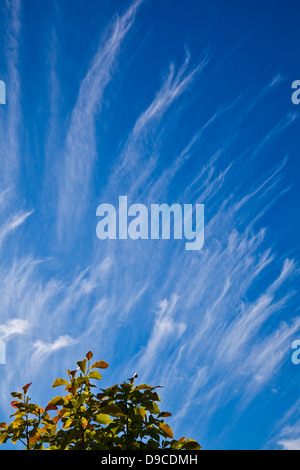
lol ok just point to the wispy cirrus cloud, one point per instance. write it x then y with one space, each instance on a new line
210 287
11 117
12 224
165 329
214 327
13 327
80 147
43 349
138 158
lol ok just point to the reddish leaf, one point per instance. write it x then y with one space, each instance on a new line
51 407
89 355
165 414
13 403
26 387
72 389
99 365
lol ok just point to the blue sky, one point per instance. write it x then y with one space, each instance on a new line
162 101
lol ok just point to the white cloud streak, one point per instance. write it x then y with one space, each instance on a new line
80 152
212 323
10 124
12 224
13 327
44 349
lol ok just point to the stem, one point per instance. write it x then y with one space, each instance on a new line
126 423
82 437
27 432
24 443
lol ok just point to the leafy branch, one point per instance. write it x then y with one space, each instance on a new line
120 417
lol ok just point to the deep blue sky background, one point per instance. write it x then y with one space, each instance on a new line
162 101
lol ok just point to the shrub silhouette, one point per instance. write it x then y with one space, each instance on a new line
124 417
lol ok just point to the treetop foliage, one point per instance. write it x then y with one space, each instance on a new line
120 417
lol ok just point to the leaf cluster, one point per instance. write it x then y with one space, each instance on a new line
124 416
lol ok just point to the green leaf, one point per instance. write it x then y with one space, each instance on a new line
147 387
112 410
102 419
17 395
143 387
95 375
177 445
154 408
82 365
59 382
81 380
190 444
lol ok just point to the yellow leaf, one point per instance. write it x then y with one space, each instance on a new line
95 375
63 412
3 437
103 419
140 411
59 382
84 423
100 365
58 401
143 387
166 429
68 423
82 365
